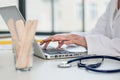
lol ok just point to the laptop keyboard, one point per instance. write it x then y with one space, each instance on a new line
55 51
60 53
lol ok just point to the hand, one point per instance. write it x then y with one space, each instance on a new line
65 39
76 39
56 38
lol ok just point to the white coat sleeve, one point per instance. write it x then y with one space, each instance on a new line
102 45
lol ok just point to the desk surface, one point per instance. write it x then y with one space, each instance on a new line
47 70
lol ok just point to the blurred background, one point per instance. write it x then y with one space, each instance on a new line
58 16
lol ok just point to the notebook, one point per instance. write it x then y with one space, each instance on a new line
5 36
49 53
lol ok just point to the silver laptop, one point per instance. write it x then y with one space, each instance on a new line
49 53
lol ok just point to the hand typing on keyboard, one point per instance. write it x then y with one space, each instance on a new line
65 39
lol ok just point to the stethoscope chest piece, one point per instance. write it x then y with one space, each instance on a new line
64 65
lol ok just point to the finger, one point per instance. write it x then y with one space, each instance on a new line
68 42
61 38
45 40
60 43
42 42
46 45
48 39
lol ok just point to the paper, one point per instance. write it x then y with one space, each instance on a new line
5 47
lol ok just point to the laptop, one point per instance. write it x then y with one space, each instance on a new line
49 53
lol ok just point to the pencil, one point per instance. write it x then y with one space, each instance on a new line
5 42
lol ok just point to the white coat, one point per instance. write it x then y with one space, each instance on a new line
105 37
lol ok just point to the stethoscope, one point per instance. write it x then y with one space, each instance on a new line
91 67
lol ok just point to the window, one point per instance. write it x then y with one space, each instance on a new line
61 15
56 15
93 10
41 10
67 15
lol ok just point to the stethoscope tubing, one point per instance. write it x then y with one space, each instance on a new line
96 57
93 57
103 71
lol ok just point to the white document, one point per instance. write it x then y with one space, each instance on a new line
6 47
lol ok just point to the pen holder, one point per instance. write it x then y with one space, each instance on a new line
22 38
24 61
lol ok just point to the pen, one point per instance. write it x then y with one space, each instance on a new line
10 42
